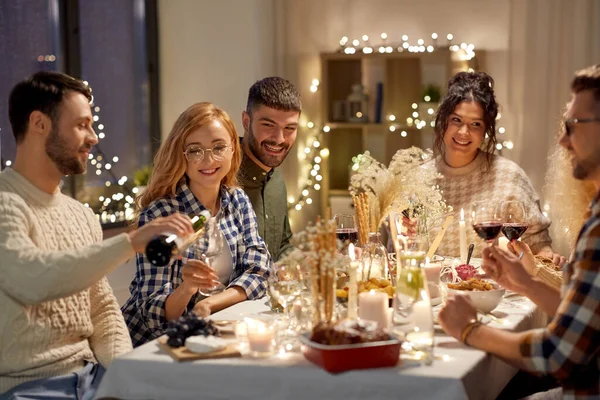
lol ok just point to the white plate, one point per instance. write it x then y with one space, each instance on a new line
205 344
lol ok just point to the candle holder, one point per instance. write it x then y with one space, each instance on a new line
261 337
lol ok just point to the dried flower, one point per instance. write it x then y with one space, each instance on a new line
404 186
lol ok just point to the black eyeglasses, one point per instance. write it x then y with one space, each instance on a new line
569 123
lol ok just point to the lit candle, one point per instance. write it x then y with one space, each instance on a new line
373 306
503 243
462 229
423 316
352 285
261 337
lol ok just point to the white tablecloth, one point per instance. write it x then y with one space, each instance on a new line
458 372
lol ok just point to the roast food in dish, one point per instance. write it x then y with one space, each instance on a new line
376 284
348 332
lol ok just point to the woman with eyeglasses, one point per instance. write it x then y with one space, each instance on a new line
195 169
464 145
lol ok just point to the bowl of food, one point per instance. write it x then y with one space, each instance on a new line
349 345
485 295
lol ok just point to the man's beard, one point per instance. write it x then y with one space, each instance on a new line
257 150
60 153
583 169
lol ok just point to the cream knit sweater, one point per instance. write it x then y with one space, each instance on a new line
56 307
504 180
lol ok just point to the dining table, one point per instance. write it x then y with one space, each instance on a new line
457 371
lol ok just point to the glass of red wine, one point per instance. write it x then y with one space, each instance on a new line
514 219
346 230
486 221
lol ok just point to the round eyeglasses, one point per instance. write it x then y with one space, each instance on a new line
195 154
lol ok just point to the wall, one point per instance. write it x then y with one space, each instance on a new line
213 51
315 26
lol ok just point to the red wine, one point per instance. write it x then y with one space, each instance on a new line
488 230
161 249
514 231
347 235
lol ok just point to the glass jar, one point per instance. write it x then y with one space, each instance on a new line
412 316
374 259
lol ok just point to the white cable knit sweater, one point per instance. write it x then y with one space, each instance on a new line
504 180
56 307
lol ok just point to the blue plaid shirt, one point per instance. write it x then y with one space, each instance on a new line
144 312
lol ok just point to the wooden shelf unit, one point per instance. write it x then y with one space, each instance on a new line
403 76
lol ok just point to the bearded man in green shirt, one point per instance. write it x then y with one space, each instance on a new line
270 126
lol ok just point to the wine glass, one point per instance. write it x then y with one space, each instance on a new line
514 219
485 218
285 282
213 243
346 230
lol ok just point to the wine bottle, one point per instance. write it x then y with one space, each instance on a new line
162 248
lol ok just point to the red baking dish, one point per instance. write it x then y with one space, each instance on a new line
341 358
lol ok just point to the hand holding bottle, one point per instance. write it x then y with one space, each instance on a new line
166 245
179 224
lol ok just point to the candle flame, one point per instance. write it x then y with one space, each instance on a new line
372 291
351 253
462 214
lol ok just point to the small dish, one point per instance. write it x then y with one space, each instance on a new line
205 344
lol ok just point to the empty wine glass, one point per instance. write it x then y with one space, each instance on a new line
486 221
213 243
514 219
285 282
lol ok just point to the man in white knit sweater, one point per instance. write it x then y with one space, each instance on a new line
60 323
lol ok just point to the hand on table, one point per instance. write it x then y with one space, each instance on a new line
456 314
556 258
202 309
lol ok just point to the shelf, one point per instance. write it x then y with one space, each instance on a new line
339 192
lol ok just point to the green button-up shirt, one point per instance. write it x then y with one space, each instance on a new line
268 194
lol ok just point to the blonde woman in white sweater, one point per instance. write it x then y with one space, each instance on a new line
60 323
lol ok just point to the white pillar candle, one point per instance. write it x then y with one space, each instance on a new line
353 291
261 337
374 306
423 316
462 230
432 272
503 243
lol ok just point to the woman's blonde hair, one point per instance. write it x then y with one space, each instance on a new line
568 198
170 163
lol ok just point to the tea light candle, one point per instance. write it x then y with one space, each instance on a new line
373 306
462 231
261 337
